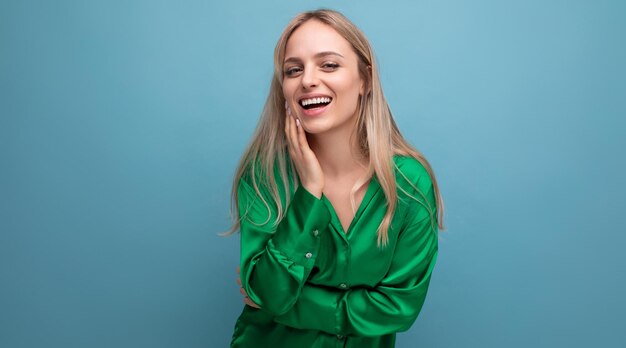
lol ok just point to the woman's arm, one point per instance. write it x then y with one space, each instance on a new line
276 261
390 306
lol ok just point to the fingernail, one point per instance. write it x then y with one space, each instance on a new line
298 122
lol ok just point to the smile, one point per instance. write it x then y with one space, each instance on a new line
311 103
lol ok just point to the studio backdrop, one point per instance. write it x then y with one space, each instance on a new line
121 124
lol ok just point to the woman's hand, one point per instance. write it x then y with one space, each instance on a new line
304 159
246 299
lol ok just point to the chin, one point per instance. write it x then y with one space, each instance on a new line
314 130
313 127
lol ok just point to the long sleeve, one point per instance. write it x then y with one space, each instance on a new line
276 261
392 305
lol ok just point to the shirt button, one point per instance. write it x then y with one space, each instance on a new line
316 232
308 255
339 337
343 285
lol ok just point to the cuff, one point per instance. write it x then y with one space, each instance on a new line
316 308
298 235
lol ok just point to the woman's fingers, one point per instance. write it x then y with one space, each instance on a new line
293 133
247 299
249 302
288 126
302 141
296 132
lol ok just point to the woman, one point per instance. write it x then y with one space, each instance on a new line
338 214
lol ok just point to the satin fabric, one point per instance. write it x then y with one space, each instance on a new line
320 286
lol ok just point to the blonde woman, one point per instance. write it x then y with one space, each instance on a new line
338 213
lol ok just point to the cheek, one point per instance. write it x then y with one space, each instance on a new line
346 85
287 88
285 91
348 92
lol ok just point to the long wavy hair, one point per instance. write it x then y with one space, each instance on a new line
377 135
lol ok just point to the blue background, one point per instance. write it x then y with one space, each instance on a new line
122 122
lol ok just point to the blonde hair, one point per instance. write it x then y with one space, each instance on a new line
378 136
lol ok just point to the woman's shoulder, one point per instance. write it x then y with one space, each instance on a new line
415 186
411 174
258 171
412 168
256 176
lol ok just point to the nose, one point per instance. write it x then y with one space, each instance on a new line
309 78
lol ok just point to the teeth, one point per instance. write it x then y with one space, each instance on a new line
319 100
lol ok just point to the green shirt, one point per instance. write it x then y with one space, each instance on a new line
320 287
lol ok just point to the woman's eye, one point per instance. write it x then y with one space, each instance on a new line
330 66
292 71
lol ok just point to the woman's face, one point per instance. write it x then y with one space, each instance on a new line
321 79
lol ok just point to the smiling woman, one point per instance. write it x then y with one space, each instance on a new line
338 213
320 66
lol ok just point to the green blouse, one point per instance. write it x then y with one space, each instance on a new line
319 286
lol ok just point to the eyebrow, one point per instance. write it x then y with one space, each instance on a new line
317 55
